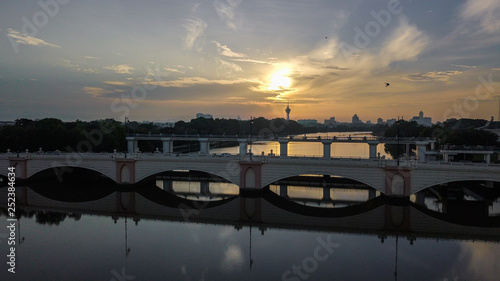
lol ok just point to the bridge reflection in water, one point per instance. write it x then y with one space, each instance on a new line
281 214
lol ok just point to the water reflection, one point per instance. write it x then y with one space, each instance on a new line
153 234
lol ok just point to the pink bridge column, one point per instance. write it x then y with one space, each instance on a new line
21 165
125 170
397 181
250 175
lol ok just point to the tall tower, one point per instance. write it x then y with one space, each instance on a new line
287 110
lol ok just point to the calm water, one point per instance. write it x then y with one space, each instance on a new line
346 150
295 230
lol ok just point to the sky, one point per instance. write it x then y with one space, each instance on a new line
168 60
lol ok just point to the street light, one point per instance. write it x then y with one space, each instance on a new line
251 132
397 138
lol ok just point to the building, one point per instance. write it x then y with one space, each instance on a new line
287 110
380 121
308 122
355 119
206 116
421 120
391 122
330 122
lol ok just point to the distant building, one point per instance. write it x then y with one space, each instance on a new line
421 120
355 119
330 122
368 122
391 122
308 122
380 121
206 116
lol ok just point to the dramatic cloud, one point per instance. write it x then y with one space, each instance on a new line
120 68
195 28
484 12
27 40
405 43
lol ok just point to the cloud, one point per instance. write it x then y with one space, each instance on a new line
227 67
464 66
405 43
192 81
173 70
120 68
77 67
442 76
116 83
96 91
28 40
91 58
225 51
195 28
484 12
227 12
253 61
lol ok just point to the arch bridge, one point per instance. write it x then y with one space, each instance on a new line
391 177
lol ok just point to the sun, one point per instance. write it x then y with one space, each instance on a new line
280 80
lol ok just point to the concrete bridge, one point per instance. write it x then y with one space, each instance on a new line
244 141
391 177
270 212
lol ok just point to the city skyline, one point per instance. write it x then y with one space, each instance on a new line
157 60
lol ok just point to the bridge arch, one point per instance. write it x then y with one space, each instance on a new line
456 179
223 175
62 170
305 171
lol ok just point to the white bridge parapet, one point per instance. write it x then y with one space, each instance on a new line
408 178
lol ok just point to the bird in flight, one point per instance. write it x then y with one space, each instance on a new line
387 84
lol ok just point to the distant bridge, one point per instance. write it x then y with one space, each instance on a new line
244 141
391 177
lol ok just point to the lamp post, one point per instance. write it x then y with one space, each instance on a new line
251 132
397 138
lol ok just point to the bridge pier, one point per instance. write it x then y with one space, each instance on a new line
397 181
205 188
284 190
132 144
327 148
243 144
373 149
250 175
421 150
283 147
21 165
204 146
125 170
168 145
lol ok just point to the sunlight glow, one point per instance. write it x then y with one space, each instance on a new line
280 80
